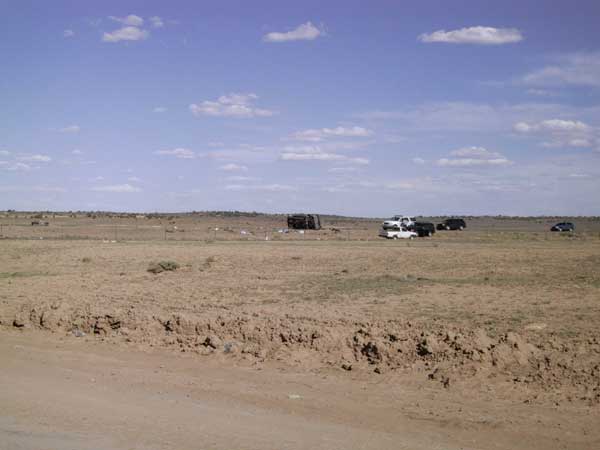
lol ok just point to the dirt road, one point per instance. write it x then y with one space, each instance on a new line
65 393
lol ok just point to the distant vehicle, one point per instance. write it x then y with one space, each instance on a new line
397 222
397 233
39 223
304 222
423 228
452 224
563 226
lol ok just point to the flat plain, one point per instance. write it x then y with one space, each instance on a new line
482 338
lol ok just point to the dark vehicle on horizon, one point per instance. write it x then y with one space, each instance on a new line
423 228
304 222
452 224
563 226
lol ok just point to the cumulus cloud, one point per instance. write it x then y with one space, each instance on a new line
552 125
117 188
68 33
419 161
317 135
15 166
157 22
474 35
342 170
472 157
233 168
475 152
70 129
159 109
261 187
232 105
181 153
315 153
560 133
465 162
34 158
577 69
36 188
305 32
132 20
126 34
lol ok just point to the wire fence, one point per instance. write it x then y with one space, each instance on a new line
121 232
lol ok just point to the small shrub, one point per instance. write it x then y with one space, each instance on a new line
86 259
162 266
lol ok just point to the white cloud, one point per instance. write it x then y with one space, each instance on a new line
132 20
40 188
465 162
475 152
342 170
474 35
15 167
68 33
261 187
77 152
560 133
157 22
419 161
134 179
307 32
540 92
118 188
159 109
4 153
242 178
577 69
70 129
232 105
233 168
316 135
35 158
473 156
552 125
315 153
182 153
126 34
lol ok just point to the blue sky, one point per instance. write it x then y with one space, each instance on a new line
357 108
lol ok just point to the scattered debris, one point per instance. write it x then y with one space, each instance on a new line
162 266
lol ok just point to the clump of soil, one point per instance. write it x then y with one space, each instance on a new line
162 266
439 351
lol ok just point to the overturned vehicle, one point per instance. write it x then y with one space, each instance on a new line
304 222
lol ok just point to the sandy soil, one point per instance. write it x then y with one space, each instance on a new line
485 338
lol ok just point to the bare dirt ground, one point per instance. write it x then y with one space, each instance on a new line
485 338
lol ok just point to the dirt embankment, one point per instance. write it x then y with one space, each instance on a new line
443 353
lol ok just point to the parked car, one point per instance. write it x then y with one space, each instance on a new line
452 224
397 222
397 233
423 228
563 226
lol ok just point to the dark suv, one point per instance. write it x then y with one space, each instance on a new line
423 228
452 224
563 226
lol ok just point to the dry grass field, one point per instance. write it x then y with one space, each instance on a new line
490 332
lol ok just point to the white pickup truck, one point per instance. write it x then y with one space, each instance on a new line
398 228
